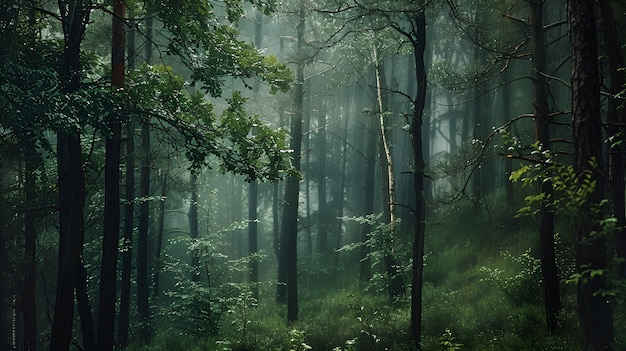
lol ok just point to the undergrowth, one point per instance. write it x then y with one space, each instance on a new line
481 292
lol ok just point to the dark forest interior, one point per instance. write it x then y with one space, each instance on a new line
330 175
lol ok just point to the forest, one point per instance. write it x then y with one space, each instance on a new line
334 175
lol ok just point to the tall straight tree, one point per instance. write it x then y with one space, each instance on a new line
287 290
595 315
616 120
417 37
550 278
395 285
71 184
143 291
108 271
129 209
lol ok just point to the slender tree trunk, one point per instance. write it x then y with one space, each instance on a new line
365 272
129 208
143 305
419 45
108 272
550 278
396 283
253 247
159 238
289 241
29 301
616 121
193 226
322 208
127 248
594 312
83 303
71 183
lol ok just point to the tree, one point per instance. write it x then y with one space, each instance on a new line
550 278
108 273
594 313
287 289
616 119
71 187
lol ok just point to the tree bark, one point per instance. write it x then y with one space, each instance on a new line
419 46
550 277
253 247
127 249
396 283
143 291
71 182
289 241
110 240
193 226
159 238
616 119
129 208
83 303
29 301
594 312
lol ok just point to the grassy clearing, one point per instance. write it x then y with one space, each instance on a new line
481 292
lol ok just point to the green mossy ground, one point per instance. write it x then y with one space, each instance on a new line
481 292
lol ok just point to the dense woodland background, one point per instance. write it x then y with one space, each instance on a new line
327 175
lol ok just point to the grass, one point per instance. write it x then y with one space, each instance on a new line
462 309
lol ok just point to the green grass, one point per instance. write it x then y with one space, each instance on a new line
462 309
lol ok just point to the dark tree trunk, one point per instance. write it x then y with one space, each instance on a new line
83 303
127 246
594 313
616 121
289 241
110 240
71 202
322 209
193 226
550 277
419 45
253 247
159 238
29 301
129 209
143 291
71 183
365 272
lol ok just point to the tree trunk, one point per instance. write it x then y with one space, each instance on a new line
129 209
29 301
71 183
193 226
83 303
365 272
253 247
616 121
322 208
550 277
127 248
143 291
159 238
419 45
289 241
71 202
396 283
110 240
594 312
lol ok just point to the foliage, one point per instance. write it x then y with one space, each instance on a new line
382 243
241 143
523 287
209 46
